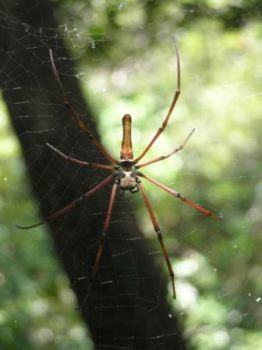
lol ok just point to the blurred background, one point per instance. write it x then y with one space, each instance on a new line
127 64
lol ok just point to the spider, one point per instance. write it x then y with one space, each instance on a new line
125 173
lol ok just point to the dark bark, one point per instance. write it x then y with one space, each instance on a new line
127 308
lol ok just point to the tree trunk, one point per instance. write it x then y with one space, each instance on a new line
127 308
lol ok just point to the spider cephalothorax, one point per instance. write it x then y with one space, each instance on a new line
126 176
124 173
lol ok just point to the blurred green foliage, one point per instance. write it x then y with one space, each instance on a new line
127 65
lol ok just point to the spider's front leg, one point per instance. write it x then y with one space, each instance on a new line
159 236
104 233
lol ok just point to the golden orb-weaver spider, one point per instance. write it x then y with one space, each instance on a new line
125 174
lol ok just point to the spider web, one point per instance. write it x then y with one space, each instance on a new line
196 172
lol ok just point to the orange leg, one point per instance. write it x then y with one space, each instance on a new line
168 155
71 205
176 194
103 235
75 115
80 162
159 236
171 108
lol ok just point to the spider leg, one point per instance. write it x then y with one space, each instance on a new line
159 236
75 115
78 161
176 194
171 108
168 155
71 205
103 235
